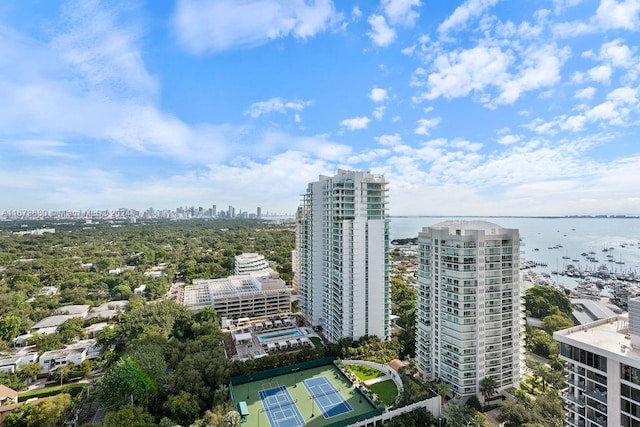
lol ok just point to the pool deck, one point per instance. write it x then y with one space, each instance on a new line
255 348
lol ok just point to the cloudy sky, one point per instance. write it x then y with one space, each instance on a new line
477 107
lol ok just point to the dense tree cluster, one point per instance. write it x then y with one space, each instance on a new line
544 410
77 259
542 301
403 300
554 308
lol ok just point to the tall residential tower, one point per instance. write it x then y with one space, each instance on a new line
470 318
343 256
602 359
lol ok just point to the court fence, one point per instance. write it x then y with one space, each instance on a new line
256 376
432 405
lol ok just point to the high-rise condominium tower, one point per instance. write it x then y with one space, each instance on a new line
602 359
343 255
470 317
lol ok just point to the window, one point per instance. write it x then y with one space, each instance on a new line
630 373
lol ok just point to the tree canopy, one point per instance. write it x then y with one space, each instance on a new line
541 301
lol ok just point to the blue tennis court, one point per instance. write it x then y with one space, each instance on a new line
280 408
328 399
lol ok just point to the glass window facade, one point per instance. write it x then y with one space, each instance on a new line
583 356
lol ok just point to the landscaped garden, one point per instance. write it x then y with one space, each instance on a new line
387 391
365 373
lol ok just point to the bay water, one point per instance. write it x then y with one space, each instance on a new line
557 242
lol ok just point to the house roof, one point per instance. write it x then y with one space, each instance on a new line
396 364
80 309
54 321
7 393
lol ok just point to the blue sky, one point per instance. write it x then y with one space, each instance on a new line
482 107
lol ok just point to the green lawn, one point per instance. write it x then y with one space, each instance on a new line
73 389
386 391
317 342
365 373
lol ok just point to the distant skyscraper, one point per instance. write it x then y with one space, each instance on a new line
469 309
259 212
214 211
343 255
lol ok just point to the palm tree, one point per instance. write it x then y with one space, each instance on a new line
488 388
442 389
543 372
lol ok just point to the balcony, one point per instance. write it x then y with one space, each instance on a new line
597 394
577 382
571 398
599 407
575 422
601 421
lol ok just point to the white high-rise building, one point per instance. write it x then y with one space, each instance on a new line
250 262
343 255
470 315
603 362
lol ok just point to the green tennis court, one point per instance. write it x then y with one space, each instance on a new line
292 384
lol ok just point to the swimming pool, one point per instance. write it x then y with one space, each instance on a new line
291 333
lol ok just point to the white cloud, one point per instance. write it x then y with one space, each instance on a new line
600 74
540 68
617 54
381 34
492 73
203 26
389 140
356 14
614 110
368 156
470 9
401 11
613 14
424 126
378 112
45 148
585 93
458 73
277 105
610 15
623 95
560 5
355 123
509 139
107 57
378 94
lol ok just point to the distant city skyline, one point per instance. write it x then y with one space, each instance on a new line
477 107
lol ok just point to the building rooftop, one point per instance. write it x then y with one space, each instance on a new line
587 310
82 309
610 336
205 291
248 257
7 393
65 352
54 321
487 226
108 310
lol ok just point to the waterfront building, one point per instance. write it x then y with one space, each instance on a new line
343 256
602 359
470 315
295 253
234 297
